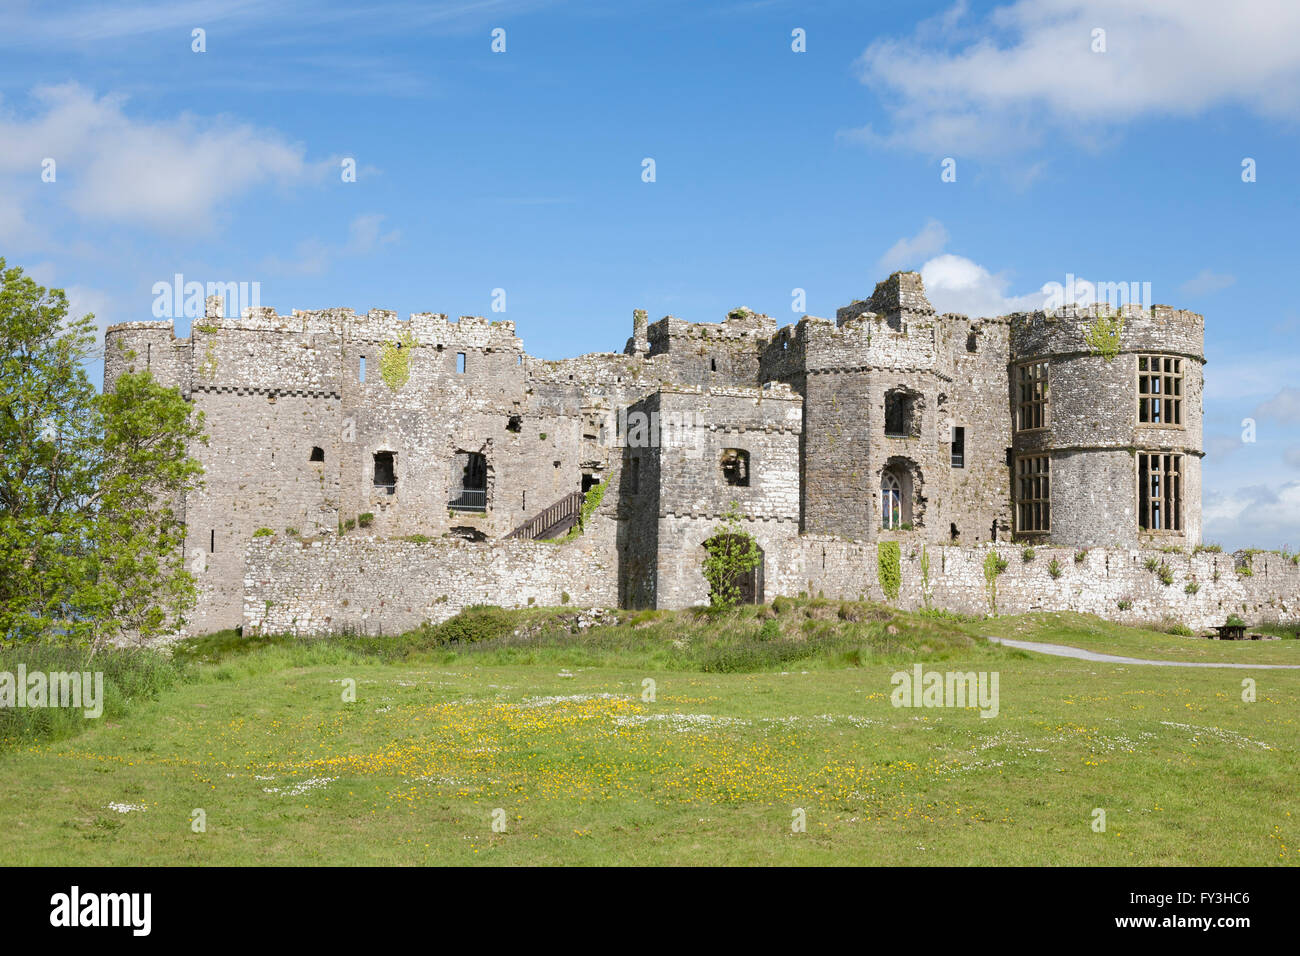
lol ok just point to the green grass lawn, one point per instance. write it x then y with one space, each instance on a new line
552 729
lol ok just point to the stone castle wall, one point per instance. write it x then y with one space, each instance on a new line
1105 579
366 584
363 584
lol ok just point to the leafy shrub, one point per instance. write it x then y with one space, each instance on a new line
263 533
1027 554
1080 556
1054 569
366 519
732 552
479 622
1191 588
1124 604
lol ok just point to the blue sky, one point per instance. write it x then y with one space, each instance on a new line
775 169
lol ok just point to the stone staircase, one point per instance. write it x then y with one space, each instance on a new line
553 521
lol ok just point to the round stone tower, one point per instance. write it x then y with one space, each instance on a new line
1106 426
136 346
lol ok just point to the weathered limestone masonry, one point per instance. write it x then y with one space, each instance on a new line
1110 582
368 585
368 472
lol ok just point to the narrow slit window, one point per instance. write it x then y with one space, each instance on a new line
959 446
361 370
212 541
460 363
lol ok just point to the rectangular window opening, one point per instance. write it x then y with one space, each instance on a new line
959 446
1031 396
1033 494
386 471
361 371
469 482
460 363
1160 390
1160 492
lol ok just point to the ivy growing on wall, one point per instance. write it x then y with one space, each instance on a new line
925 576
889 569
395 360
994 564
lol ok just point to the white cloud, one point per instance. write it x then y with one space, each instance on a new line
1029 74
1292 456
1206 282
314 257
1253 516
907 252
1221 446
1248 378
956 284
1283 407
172 175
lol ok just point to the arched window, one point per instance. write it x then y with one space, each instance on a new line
891 501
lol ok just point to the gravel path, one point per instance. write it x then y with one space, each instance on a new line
1060 650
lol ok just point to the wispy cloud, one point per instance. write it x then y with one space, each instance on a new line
909 252
314 256
1029 72
172 175
1206 282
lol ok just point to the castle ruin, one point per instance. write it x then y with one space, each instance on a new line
372 473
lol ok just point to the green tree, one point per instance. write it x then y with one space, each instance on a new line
732 553
90 541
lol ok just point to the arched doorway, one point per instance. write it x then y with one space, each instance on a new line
748 584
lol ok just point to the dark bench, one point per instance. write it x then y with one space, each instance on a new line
1232 632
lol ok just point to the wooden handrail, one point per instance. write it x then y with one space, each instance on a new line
534 527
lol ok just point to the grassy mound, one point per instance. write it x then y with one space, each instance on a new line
752 638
